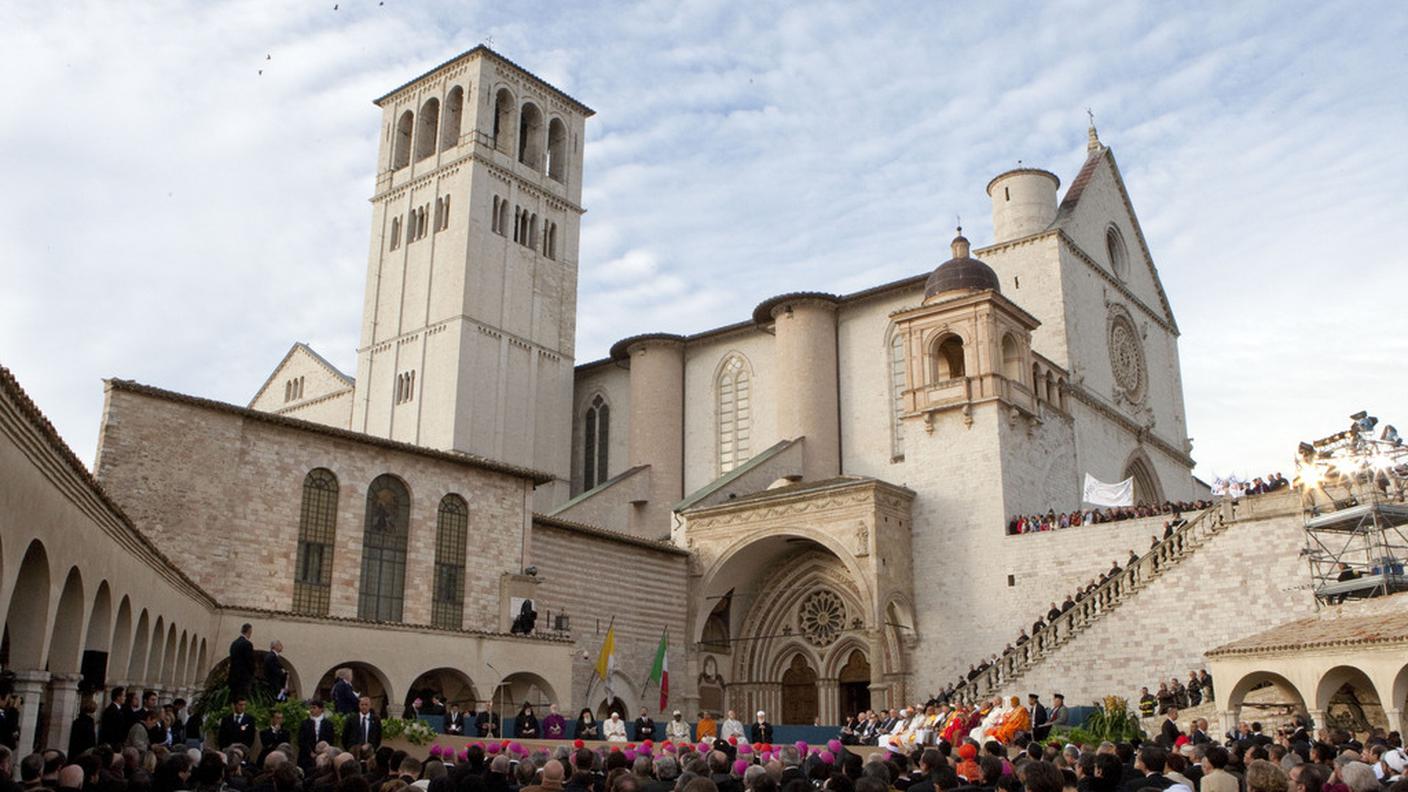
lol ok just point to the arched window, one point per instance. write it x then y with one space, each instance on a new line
395 232
1051 387
530 136
734 389
1036 381
401 144
1011 359
383 588
557 150
1061 392
429 125
897 377
1118 253
517 223
948 359
450 125
596 443
317 526
451 536
503 121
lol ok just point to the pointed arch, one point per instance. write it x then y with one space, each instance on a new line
596 442
1146 482
733 399
168 657
178 671
383 586
453 118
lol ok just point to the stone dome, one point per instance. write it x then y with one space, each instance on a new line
962 272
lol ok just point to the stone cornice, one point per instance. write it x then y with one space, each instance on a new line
1302 646
536 637
310 402
1144 434
387 343
448 168
801 499
1114 282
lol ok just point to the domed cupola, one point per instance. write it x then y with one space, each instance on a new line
961 273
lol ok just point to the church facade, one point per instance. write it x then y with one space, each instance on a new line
810 502
871 444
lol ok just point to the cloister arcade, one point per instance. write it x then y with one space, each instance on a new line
1338 669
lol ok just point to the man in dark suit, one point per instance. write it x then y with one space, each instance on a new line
454 720
1149 770
237 727
1169 731
272 737
344 698
1038 716
486 723
316 728
364 728
242 662
111 727
275 677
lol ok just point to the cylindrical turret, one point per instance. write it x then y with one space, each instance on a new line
657 425
1023 202
807 402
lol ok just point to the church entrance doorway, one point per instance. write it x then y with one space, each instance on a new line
799 700
854 682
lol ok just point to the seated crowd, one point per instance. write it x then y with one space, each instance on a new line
1000 745
1054 521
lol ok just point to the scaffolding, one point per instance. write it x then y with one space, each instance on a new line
1352 488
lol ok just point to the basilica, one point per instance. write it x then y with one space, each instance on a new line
810 501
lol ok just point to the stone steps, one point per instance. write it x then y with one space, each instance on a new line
1011 666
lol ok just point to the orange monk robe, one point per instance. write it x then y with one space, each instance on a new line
1015 721
708 729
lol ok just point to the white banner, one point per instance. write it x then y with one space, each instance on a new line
1098 493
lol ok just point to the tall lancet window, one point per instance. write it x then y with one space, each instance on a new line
896 397
451 535
735 390
317 527
597 426
383 590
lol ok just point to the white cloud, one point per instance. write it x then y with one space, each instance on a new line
176 217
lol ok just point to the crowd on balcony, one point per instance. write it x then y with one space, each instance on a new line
1055 521
1173 694
1233 487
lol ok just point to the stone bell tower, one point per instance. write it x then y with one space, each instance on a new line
468 325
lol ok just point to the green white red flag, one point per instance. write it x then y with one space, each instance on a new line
660 670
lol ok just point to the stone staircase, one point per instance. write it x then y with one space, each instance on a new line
1107 597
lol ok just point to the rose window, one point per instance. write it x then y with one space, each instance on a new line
822 616
1127 359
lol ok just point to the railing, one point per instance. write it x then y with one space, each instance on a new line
1107 596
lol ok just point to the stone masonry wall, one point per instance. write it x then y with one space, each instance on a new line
1247 579
220 493
592 578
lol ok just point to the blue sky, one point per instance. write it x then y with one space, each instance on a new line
175 217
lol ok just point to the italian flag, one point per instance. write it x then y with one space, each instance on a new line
660 670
